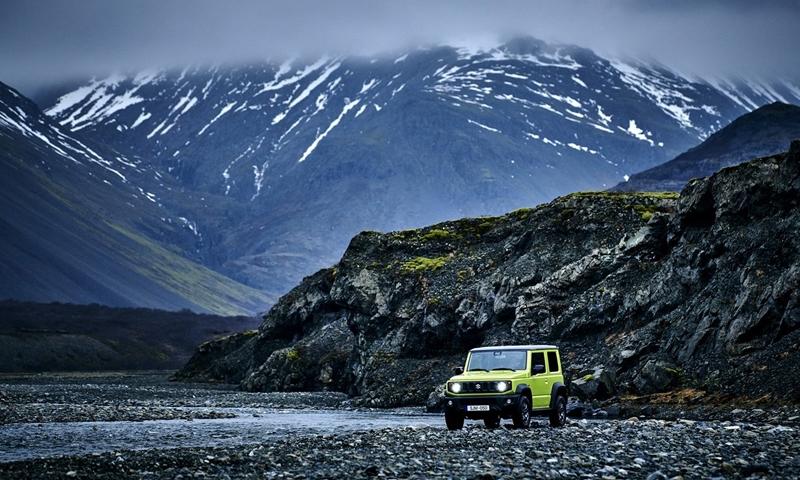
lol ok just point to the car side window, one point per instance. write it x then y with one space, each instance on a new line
537 358
552 361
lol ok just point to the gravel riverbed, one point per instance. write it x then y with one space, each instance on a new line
648 449
88 397
140 426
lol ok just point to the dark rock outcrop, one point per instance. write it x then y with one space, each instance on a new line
699 290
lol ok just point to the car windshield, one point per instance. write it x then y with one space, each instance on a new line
489 360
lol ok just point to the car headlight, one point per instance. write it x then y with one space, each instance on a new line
502 386
455 387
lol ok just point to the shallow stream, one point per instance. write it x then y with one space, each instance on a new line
252 425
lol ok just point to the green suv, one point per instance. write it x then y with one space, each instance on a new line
515 381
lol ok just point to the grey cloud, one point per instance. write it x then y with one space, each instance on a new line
47 42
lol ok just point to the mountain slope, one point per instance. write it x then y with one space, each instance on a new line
698 290
77 227
765 131
304 154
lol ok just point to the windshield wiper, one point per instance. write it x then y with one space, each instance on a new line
477 369
503 368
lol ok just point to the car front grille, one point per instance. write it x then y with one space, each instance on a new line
479 387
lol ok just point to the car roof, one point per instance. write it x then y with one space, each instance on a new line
516 347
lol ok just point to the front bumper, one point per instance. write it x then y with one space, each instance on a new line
499 405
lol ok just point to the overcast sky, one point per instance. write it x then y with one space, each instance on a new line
47 42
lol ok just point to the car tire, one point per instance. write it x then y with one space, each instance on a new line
558 415
454 420
492 422
522 414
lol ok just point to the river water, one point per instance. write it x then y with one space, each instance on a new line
22 441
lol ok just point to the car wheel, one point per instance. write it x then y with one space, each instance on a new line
522 414
454 420
492 422
558 415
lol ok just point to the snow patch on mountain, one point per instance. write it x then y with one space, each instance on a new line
637 132
279 83
307 91
227 108
348 106
485 127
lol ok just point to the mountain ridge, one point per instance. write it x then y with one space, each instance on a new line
262 173
762 132
308 152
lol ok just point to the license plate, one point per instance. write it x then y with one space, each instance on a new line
477 408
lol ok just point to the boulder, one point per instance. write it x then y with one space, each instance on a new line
597 384
657 376
576 408
435 401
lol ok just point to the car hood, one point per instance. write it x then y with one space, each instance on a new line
489 376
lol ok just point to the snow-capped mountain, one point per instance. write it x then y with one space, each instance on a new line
277 165
79 227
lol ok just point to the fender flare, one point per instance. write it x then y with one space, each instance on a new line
557 389
524 389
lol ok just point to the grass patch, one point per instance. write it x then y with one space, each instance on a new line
521 214
645 211
293 355
627 195
464 274
437 234
484 227
423 264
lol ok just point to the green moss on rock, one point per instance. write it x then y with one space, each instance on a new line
437 234
423 264
293 355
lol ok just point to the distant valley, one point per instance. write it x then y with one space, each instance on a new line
61 337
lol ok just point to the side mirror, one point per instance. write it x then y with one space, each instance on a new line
537 369
458 370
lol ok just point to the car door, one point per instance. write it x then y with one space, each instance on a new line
551 376
540 383
554 368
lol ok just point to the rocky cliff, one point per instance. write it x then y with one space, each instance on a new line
663 290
